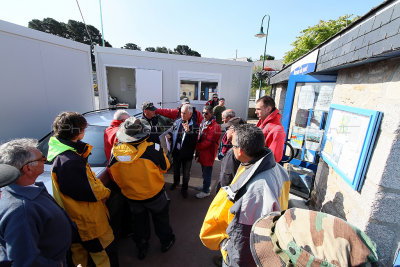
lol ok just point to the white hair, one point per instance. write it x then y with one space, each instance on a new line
229 113
188 107
120 114
18 152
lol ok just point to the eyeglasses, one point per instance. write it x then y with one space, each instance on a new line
42 158
235 146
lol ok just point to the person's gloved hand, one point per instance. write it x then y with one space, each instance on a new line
220 156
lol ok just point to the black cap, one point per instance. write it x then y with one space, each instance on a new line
185 100
149 106
8 174
235 121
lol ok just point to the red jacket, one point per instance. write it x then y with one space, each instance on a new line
274 133
207 145
226 144
110 137
175 114
212 103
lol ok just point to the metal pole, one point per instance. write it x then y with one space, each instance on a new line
101 19
265 47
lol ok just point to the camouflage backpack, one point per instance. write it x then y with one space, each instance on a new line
301 237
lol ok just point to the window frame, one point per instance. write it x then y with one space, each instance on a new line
198 77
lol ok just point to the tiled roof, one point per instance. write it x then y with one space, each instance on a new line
376 35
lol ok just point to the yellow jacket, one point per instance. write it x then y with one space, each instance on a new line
255 191
138 169
76 188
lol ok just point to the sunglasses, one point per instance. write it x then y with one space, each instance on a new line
205 113
42 158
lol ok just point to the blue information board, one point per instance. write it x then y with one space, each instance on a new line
348 141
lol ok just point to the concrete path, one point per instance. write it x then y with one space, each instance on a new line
186 216
186 219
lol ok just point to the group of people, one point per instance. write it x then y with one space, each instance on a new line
251 185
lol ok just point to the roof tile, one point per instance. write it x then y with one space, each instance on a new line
390 29
366 26
396 11
382 18
394 41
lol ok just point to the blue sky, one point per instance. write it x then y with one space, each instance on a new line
214 28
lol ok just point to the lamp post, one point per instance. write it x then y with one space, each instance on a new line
261 34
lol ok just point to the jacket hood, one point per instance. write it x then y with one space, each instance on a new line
58 146
129 152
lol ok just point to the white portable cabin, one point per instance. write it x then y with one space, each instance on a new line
136 76
40 76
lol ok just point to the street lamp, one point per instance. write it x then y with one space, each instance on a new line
261 34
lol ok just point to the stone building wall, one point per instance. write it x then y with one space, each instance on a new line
375 209
279 94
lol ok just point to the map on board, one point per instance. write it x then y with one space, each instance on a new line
345 139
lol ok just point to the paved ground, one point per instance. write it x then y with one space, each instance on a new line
186 219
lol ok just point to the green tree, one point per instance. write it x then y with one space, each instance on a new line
131 46
163 50
51 26
267 57
255 82
150 49
185 50
73 30
313 36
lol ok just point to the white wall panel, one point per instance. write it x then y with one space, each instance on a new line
40 76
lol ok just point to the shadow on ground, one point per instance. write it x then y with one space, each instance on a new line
186 217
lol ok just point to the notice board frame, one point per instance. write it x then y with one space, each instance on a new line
368 135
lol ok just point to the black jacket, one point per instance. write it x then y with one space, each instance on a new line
229 166
186 148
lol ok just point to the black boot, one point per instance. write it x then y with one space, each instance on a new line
142 247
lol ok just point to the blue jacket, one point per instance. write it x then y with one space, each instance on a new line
34 230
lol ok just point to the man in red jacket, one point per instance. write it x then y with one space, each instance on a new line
270 123
176 112
109 134
206 148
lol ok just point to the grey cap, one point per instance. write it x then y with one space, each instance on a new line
235 121
133 130
149 106
8 174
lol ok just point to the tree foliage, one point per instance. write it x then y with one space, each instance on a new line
313 36
150 49
267 57
185 50
73 30
255 82
131 46
164 50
